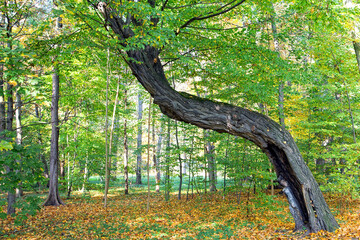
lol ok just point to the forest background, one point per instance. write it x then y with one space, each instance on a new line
296 62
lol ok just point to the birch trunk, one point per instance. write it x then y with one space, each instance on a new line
18 139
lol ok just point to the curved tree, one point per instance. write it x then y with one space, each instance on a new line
307 204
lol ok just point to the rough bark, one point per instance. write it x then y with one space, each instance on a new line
139 142
277 143
274 140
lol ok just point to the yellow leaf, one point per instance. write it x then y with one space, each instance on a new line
12 83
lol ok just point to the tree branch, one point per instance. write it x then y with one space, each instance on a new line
209 16
164 5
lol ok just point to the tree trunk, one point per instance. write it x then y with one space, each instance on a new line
167 163
41 155
209 149
2 95
156 158
180 160
9 127
310 210
307 203
18 139
126 149
281 84
107 164
139 142
53 196
191 168
225 164
109 159
86 171
148 158
357 53
2 102
72 169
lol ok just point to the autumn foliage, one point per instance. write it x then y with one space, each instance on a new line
200 217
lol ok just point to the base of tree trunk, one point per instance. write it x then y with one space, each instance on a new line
11 202
53 200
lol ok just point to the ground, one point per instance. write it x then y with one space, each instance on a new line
209 216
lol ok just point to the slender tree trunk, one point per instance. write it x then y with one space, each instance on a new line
107 165
156 158
180 160
8 25
281 84
148 158
2 102
86 171
167 163
108 172
225 164
209 148
71 171
191 165
2 94
126 149
139 142
18 140
41 154
206 164
9 127
53 198
62 167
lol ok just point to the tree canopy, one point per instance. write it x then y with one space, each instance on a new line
282 75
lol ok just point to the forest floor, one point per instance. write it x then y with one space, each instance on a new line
209 216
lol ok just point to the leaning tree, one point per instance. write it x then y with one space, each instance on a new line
130 21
